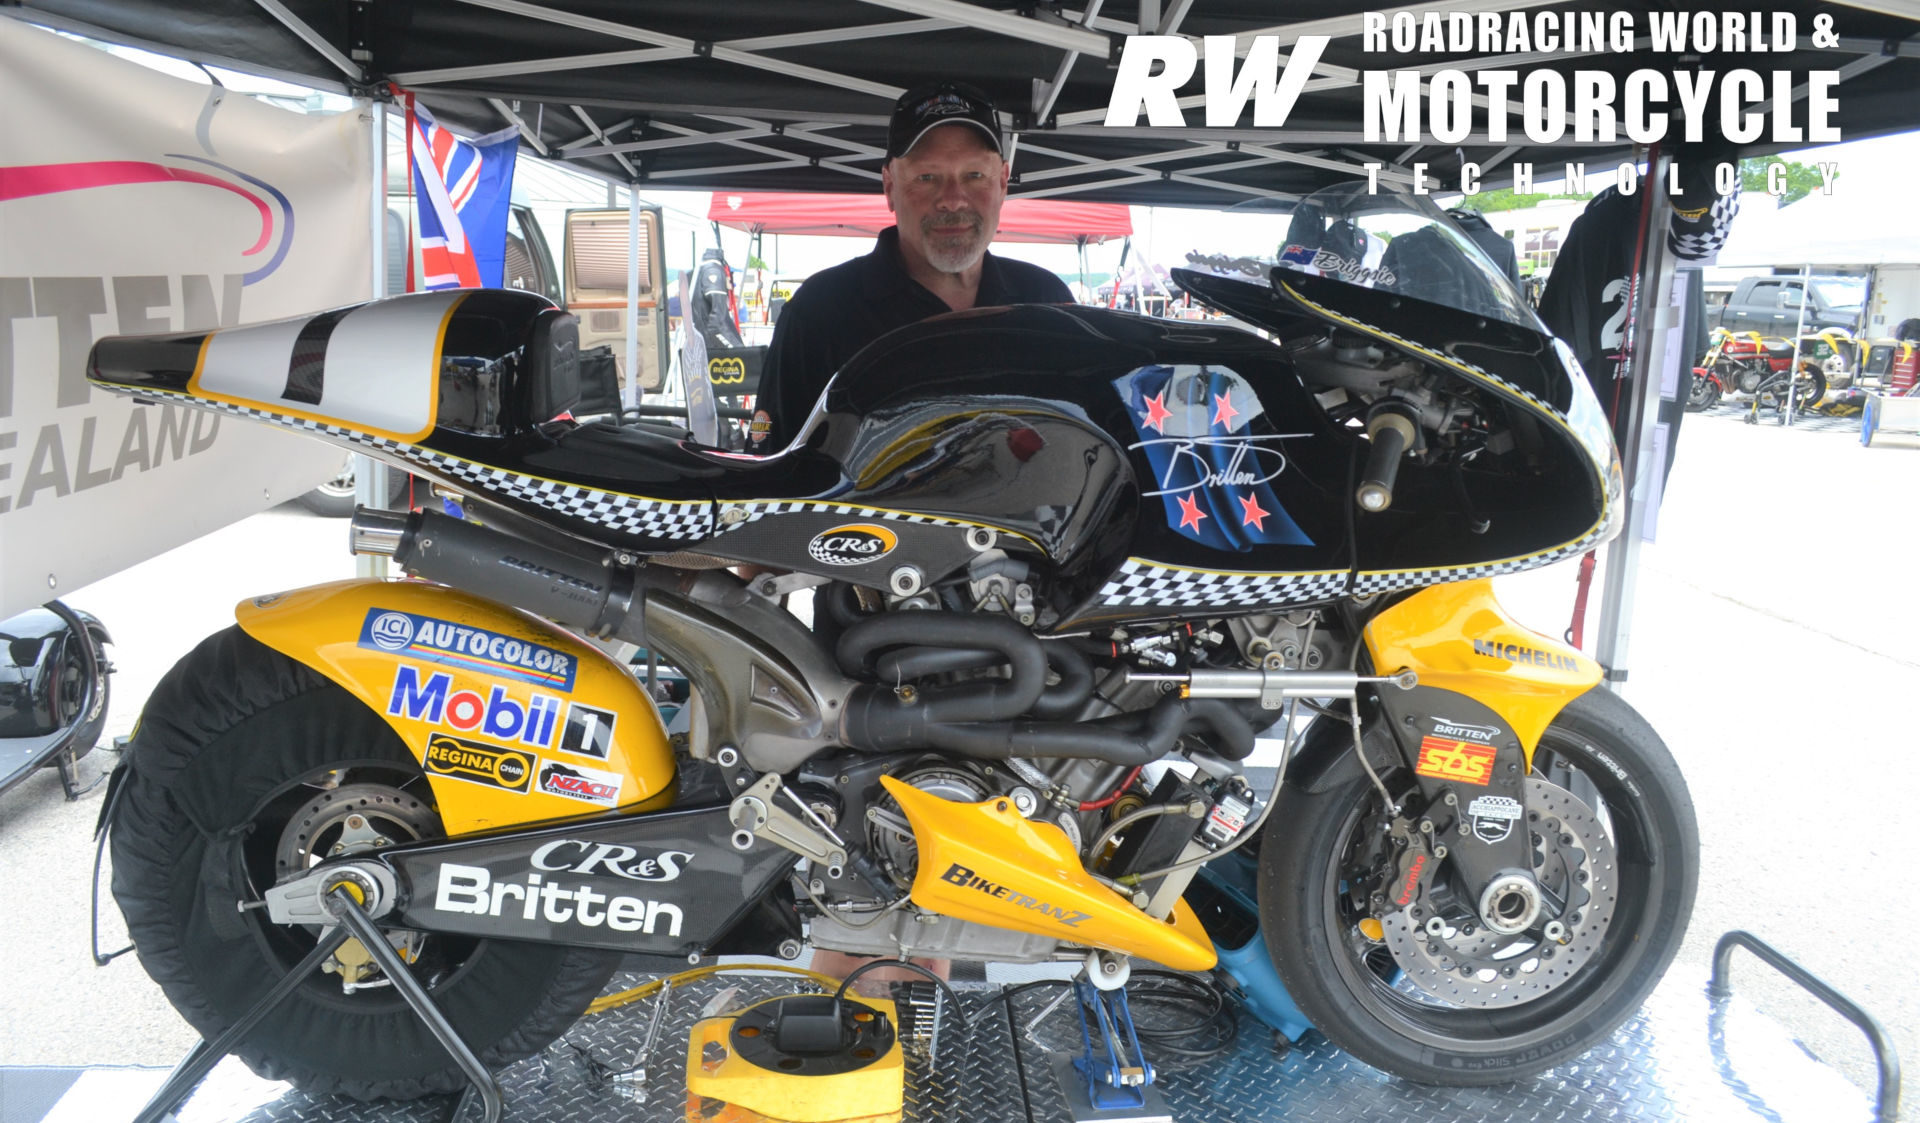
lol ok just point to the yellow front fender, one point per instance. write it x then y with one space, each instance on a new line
1457 637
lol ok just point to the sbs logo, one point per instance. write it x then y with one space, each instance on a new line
852 545
393 631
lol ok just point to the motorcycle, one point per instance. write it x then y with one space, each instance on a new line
1745 363
1054 550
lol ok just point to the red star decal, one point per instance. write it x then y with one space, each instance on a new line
1223 411
1190 513
1157 412
1251 514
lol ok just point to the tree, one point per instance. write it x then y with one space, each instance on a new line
1504 199
1802 180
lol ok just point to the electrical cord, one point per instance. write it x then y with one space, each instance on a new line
648 989
958 1014
1204 1024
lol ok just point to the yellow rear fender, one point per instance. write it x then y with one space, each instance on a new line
513 720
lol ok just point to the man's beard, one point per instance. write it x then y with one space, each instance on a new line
955 240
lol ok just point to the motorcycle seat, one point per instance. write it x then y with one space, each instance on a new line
1780 350
656 463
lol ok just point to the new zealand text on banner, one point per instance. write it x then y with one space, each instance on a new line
134 202
465 187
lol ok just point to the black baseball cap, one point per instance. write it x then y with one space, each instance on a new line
925 108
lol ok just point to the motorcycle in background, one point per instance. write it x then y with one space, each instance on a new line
53 693
1763 369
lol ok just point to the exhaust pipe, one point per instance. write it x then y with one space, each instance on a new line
576 589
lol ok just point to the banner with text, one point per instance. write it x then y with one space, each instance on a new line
134 202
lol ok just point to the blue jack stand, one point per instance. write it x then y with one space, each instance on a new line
1111 1080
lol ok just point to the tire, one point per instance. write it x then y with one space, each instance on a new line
335 498
1352 990
1702 394
229 750
72 688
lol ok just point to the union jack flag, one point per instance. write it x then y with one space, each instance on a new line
465 188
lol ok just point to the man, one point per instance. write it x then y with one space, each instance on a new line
945 178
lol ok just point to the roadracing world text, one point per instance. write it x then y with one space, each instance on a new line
1690 100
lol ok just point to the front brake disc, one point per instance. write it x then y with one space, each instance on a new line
1466 964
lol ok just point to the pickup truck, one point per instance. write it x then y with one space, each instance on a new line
1771 305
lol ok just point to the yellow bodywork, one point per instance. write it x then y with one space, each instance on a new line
1457 637
987 863
513 720
724 1087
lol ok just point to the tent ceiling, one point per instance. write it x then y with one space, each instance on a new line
772 95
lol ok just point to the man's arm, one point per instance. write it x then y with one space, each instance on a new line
785 384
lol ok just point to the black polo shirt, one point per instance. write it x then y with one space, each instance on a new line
840 310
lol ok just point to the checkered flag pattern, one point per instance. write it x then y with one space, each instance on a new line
1699 241
1144 584
757 511
620 514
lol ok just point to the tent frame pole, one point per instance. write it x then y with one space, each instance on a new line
370 481
1652 319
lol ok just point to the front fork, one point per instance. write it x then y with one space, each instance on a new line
1488 690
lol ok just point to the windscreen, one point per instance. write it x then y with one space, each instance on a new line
1388 241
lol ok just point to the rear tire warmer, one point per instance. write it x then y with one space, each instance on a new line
1598 748
225 750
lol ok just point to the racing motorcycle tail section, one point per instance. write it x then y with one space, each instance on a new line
513 721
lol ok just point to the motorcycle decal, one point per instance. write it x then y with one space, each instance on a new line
509 769
1329 264
435 702
1493 817
381 364
1464 730
1213 472
460 645
588 785
474 890
1140 583
1464 761
960 875
1520 653
852 545
588 731
574 856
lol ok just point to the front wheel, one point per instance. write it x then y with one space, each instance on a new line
1450 1003
247 769
1703 394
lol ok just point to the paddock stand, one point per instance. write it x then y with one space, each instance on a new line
355 923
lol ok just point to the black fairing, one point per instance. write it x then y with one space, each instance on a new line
1126 455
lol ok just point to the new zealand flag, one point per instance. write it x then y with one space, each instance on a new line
1212 472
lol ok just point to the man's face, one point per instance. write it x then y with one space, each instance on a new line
945 194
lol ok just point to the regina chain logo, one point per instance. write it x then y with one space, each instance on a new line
475 763
726 372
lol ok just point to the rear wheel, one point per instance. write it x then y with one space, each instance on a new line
1448 1004
249 768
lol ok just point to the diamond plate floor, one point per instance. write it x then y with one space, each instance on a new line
1681 1058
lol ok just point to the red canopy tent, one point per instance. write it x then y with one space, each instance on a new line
854 216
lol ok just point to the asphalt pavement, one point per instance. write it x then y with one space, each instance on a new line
1775 645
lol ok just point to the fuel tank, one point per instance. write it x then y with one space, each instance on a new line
513 720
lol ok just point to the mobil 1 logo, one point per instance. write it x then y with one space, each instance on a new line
587 732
